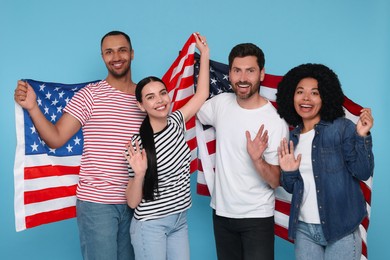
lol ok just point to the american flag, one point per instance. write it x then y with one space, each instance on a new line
219 83
45 179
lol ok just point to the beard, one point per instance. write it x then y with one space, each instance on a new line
252 90
118 74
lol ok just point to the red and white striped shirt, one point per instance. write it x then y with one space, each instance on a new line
109 118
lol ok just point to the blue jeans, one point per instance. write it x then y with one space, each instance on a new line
161 239
310 244
244 238
104 231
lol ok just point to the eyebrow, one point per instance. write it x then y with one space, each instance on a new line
119 48
248 68
152 94
149 94
300 87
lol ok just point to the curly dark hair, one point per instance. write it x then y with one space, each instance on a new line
329 88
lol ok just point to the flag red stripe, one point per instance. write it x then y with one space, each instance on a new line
351 106
202 189
365 223
186 81
271 81
211 146
49 194
50 216
364 249
179 103
192 143
193 166
366 192
274 104
191 123
49 170
282 232
282 206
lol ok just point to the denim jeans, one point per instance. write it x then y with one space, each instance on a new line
104 231
310 244
244 239
161 239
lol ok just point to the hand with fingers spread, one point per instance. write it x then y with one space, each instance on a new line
286 156
365 122
257 146
137 159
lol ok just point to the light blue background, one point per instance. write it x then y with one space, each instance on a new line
59 41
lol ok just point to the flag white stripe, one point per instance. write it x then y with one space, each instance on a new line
185 92
50 182
50 205
177 69
20 223
281 219
269 93
351 116
43 159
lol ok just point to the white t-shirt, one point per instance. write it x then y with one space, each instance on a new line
239 191
309 207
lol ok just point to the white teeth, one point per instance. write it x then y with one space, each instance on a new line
306 106
160 108
117 65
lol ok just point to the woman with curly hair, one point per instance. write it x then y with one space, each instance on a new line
322 164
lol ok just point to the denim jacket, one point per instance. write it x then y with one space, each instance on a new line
340 159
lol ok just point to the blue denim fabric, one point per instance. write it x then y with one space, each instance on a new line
310 243
104 231
340 158
161 239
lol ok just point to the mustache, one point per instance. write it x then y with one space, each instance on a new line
243 83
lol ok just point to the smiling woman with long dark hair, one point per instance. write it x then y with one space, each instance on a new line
159 171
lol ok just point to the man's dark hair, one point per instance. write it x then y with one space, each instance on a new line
244 50
113 33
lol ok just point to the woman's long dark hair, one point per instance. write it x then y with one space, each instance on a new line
147 137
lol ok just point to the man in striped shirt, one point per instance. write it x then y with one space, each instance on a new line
108 115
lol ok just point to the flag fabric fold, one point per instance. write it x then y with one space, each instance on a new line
219 83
